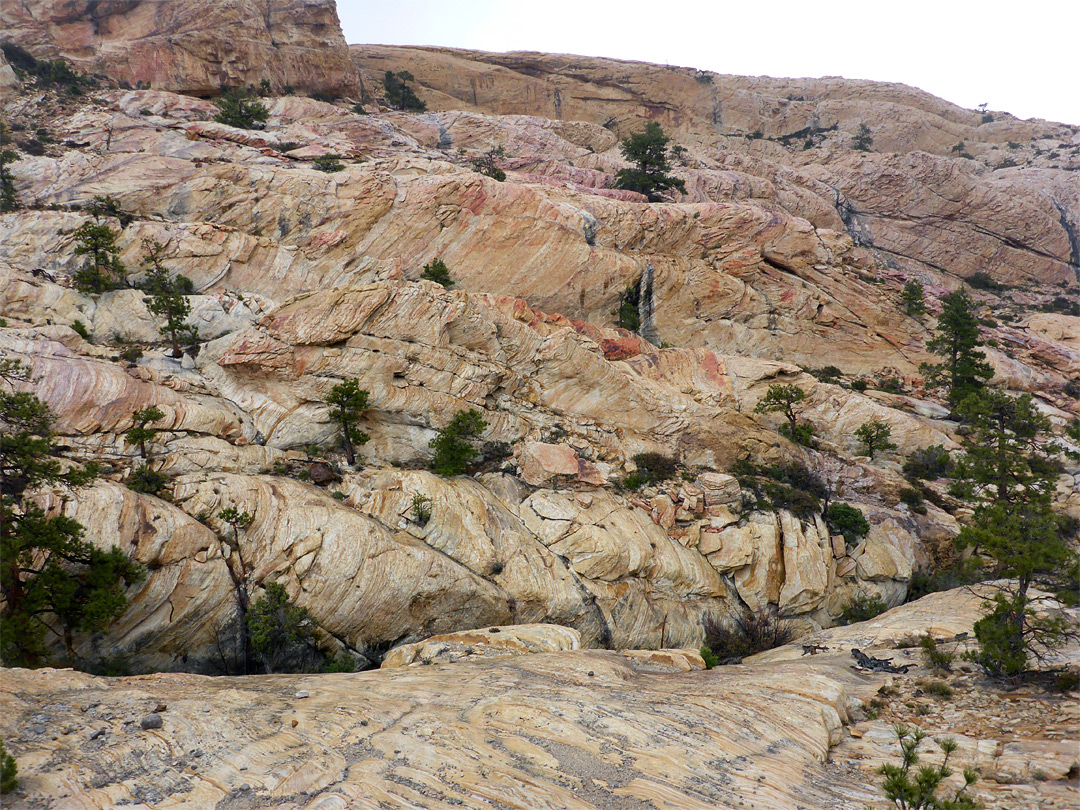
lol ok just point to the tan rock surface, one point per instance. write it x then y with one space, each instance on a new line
489 642
194 46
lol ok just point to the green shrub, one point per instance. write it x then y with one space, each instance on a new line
328 163
919 791
421 509
437 271
967 572
321 95
914 500
929 463
984 281
875 435
102 269
79 328
655 466
934 657
238 109
147 481
802 433
634 481
453 447
862 140
859 385
397 93
938 689
863 608
827 374
282 633
342 662
9 769
488 163
710 659
628 317
847 520
648 152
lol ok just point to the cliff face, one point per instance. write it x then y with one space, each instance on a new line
776 258
196 46
944 190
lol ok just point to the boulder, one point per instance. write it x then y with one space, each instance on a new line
543 464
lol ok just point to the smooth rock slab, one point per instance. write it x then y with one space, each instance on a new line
575 730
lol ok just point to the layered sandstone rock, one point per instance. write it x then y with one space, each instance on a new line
196 46
584 729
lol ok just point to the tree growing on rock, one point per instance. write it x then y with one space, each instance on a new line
282 633
913 298
8 200
785 399
919 790
397 93
437 271
488 163
453 447
51 579
648 152
239 521
102 269
348 403
1007 468
238 109
956 339
863 139
875 435
140 432
168 297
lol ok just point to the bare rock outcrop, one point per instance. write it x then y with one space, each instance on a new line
195 46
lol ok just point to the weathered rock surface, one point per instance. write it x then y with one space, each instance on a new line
580 729
195 46
489 642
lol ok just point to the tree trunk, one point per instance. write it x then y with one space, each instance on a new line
350 456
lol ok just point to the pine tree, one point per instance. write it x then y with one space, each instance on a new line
785 399
348 403
140 434
398 95
52 581
648 151
1007 468
8 200
103 269
238 109
282 633
168 297
453 448
875 435
957 340
913 298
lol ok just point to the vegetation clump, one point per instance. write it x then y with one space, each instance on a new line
648 152
488 163
282 633
862 609
651 467
919 790
52 581
8 199
168 297
241 109
929 463
913 298
845 519
453 445
964 368
437 271
397 93
875 436
863 140
9 770
328 163
744 633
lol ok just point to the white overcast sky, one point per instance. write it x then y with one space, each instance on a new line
1019 56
